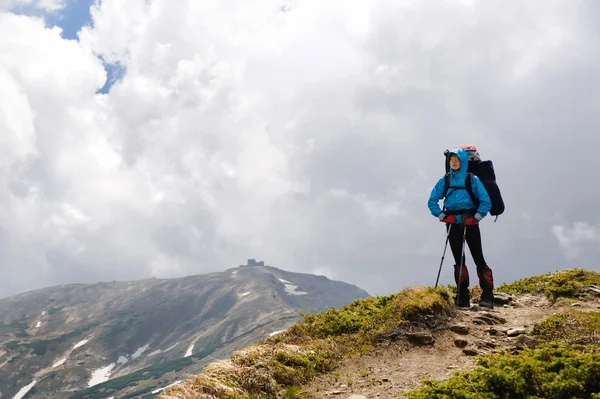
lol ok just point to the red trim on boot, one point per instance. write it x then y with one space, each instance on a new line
464 276
487 279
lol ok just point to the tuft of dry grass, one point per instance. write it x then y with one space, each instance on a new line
203 386
260 370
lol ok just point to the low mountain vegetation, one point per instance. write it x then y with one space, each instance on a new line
564 362
570 284
564 358
317 345
571 326
560 360
552 370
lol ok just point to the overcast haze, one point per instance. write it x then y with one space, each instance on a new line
168 138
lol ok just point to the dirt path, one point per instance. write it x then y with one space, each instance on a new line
391 369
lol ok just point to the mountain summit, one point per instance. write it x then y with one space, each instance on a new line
129 339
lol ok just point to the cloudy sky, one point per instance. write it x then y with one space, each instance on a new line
174 137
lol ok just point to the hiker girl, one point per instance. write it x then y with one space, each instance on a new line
463 210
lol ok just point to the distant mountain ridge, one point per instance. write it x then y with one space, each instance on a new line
130 339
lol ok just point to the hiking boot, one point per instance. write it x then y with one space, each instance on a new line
486 304
463 303
465 299
487 298
461 277
486 282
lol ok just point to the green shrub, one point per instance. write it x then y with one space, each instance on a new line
375 314
562 284
552 371
291 392
571 326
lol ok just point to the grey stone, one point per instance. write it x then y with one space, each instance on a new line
420 338
513 332
459 329
470 352
496 319
500 298
486 344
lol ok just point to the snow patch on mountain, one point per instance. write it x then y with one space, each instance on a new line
81 343
23 391
291 289
101 375
170 385
189 351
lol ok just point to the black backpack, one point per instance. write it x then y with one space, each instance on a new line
482 169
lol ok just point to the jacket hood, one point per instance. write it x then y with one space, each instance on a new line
464 161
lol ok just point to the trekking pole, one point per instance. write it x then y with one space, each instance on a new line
462 261
443 255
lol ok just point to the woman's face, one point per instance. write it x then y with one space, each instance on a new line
454 162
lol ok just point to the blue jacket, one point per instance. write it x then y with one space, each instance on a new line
459 199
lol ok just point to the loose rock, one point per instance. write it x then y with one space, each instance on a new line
486 344
470 352
460 329
497 319
488 318
500 298
513 332
420 338
460 343
492 331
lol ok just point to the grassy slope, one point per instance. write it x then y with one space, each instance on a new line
565 360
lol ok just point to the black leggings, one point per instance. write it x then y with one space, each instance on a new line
473 240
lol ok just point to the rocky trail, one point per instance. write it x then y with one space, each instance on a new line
394 367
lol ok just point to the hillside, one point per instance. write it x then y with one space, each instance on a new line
541 340
130 339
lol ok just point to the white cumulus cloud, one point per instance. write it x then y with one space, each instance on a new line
44 5
574 239
305 133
